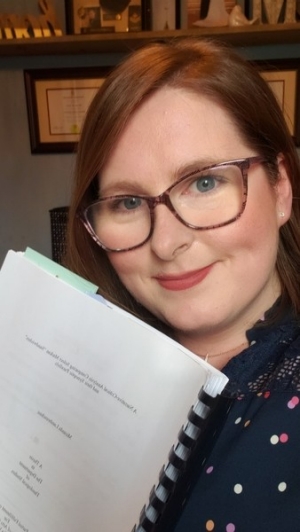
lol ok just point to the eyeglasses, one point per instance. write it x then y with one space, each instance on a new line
209 198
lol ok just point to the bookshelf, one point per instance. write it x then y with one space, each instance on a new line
252 35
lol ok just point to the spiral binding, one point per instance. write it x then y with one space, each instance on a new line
178 458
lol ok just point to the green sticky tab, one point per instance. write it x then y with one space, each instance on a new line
59 271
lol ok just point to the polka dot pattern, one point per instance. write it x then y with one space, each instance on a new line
283 438
282 487
293 402
254 464
230 527
238 488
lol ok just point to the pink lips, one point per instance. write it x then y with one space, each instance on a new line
184 281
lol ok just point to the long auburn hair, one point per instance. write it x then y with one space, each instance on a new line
206 68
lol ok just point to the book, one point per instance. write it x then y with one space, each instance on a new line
99 412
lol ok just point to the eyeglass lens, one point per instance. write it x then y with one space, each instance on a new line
209 198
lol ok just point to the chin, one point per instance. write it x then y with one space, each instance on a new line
190 325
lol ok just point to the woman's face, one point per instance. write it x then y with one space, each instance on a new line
201 283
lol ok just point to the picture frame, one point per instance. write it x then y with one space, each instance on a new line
283 75
57 101
107 16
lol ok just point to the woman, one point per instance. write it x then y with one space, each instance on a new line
187 182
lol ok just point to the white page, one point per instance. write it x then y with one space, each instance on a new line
86 415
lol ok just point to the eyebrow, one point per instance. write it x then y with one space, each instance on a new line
122 187
190 168
131 188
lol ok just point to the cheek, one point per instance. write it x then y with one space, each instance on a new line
253 237
255 249
126 264
131 268
259 222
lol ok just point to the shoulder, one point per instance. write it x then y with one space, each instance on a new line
272 362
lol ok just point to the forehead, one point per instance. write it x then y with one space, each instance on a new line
171 130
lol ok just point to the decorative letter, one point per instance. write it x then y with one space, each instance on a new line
6 29
34 26
19 26
49 19
273 9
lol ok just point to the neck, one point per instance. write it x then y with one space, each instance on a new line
221 358
217 349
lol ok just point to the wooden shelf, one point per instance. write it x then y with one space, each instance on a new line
252 35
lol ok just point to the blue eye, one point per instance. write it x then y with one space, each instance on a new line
131 203
123 204
204 184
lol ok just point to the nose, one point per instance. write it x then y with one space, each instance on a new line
170 237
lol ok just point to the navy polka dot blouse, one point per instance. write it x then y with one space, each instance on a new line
250 482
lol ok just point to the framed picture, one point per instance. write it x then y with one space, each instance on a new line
105 16
283 77
57 101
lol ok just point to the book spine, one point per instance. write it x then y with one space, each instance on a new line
192 435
